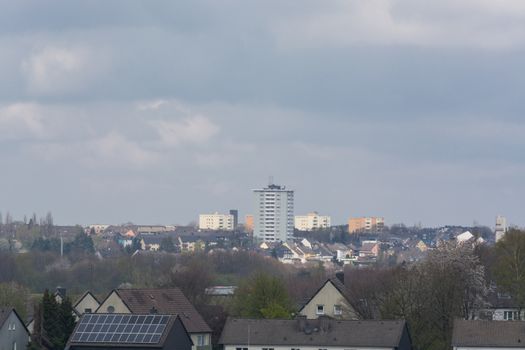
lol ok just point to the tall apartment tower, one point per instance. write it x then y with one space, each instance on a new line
501 227
273 217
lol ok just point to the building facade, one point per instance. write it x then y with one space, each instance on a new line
364 224
273 217
13 333
311 221
501 227
216 221
248 223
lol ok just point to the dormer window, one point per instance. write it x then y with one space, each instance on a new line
320 310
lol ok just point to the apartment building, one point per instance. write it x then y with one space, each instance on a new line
501 227
216 221
311 221
273 217
364 224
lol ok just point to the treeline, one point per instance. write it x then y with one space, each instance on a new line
41 270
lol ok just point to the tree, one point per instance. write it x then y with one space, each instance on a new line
167 245
55 322
262 296
192 279
14 295
509 270
82 244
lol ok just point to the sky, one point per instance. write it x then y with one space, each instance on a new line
155 111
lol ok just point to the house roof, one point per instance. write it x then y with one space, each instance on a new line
478 333
368 246
4 315
86 293
170 301
318 332
75 340
152 239
335 282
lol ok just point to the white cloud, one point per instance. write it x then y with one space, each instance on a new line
193 130
22 121
55 70
450 23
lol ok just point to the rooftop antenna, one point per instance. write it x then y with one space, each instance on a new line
270 180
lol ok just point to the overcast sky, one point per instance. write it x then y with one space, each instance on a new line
156 111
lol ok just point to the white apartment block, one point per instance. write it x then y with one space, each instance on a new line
273 217
311 221
216 221
501 227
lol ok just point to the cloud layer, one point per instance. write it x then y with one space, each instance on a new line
156 112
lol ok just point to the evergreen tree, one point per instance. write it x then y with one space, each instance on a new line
67 320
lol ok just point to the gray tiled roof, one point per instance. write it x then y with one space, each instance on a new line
489 333
319 332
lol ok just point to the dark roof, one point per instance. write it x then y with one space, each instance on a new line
488 333
72 343
4 315
320 332
170 301
83 296
498 300
152 239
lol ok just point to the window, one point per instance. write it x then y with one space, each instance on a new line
14 345
87 311
338 310
201 340
111 309
510 315
320 310
241 348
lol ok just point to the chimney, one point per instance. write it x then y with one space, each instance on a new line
340 275
324 323
301 322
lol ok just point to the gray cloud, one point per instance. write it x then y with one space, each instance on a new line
154 112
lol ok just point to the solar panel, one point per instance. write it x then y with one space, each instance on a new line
127 329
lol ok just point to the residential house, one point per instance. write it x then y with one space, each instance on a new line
140 331
60 294
502 307
369 249
151 242
169 301
422 246
329 300
323 333
488 335
13 332
190 243
342 253
86 304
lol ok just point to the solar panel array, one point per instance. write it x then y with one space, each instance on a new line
127 329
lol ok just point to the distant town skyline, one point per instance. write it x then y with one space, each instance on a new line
155 112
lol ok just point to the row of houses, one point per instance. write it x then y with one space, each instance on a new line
165 319
303 250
